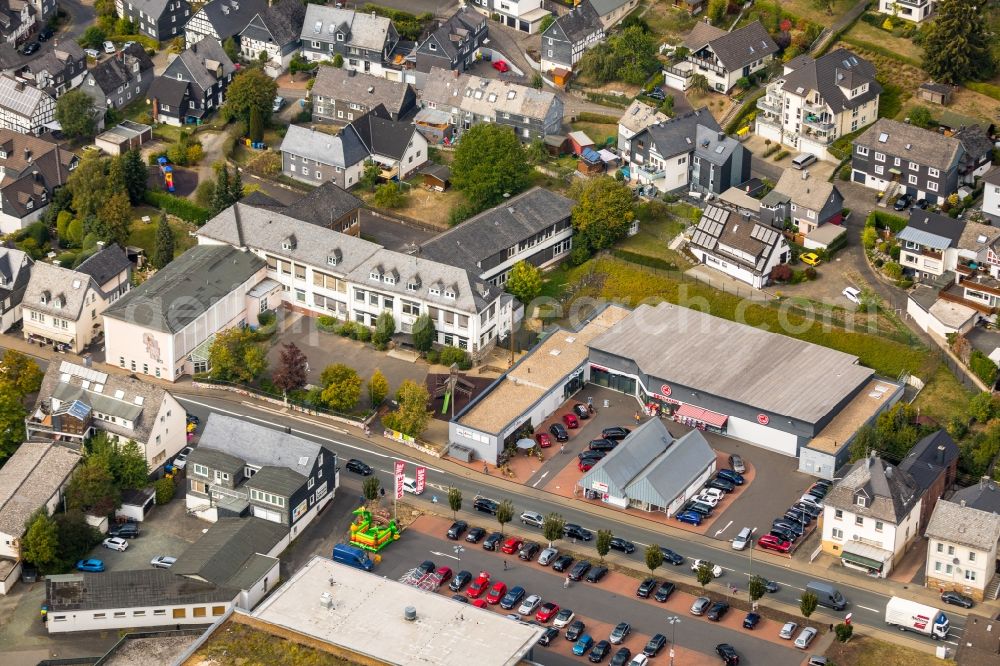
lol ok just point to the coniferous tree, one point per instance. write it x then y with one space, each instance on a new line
957 45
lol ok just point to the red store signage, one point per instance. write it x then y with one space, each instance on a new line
763 419
665 390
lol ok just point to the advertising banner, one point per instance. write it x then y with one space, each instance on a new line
400 473
421 479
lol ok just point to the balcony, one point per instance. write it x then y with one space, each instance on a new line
703 64
770 104
815 109
818 123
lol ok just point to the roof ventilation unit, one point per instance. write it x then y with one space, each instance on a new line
410 614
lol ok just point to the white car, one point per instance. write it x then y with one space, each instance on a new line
788 631
547 556
530 605
805 638
180 462
716 569
109 47
710 500
713 492
279 102
162 562
811 501
532 518
93 53
852 294
563 618
639 660
115 543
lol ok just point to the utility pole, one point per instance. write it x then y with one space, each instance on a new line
673 621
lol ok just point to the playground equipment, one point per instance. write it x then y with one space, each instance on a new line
447 386
256 145
168 173
371 536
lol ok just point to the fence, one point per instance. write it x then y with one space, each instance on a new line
275 399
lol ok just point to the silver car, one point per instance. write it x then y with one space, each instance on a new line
700 605
547 556
162 561
788 630
805 638
530 605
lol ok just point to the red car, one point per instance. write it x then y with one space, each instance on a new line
443 575
586 464
771 542
479 585
496 593
544 441
571 421
479 603
547 611
511 545
501 66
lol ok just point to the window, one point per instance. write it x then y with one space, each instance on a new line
913 179
951 550
914 166
896 162
933 173
932 186
862 151
879 169
310 483
970 575
200 470
861 501
201 611
838 514
940 547
218 610
859 521
179 613
972 556
160 612
878 525
837 534
880 157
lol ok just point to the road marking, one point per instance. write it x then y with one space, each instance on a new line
300 418
434 552
306 434
951 642
718 532
869 609
639 543
535 484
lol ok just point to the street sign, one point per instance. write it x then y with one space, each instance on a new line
400 472
421 479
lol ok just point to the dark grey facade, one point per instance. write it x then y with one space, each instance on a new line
119 80
565 40
344 95
363 40
453 46
161 20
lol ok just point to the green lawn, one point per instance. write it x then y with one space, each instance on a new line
598 132
144 234
658 225
666 21
883 38
943 397
811 11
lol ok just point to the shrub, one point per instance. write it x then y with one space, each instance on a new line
347 329
879 263
579 255
164 490
432 357
327 324
894 252
893 270
781 273
203 195
810 273
266 318
845 172
449 355
363 334
983 367
781 155
182 208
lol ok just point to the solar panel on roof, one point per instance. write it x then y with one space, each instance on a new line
78 410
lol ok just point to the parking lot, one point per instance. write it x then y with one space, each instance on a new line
167 531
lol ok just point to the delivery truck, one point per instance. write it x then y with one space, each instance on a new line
911 616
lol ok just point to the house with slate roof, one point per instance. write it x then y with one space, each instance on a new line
566 38
341 95
32 170
933 464
222 19
871 516
739 244
454 44
57 70
804 200
327 206
23 107
15 269
962 550
363 40
723 58
275 30
316 157
613 11
395 145
818 100
194 84
161 20
119 80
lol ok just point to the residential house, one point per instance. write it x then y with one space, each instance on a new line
111 269
241 468
193 84
32 170
738 244
237 553
161 20
115 600
911 10
984 495
56 70
933 464
32 478
470 100
222 20
895 157
534 226
76 402
395 145
805 201
119 80
315 157
523 15
978 152
454 44
962 549
818 100
275 31
723 58
324 272
165 326
613 11
363 40
688 152
24 108
15 269
929 244
569 35
327 206
991 194
871 516
17 20
637 117
342 95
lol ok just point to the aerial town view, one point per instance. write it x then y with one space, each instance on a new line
499 332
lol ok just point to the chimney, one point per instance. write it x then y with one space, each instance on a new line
962 504
888 472
940 454
722 136
27 154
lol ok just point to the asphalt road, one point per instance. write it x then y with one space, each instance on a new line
866 605
81 17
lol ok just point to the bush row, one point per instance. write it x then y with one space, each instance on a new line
182 208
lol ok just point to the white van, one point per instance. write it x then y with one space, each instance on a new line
803 160
410 486
742 539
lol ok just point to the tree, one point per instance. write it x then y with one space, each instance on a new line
89 187
455 501
370 487
341 387
537 82
250 89
635 49
222 197
229 46
40 545
411 417
553 527
12 414
756 588
116 174
74 232
603 544
869 237
116 220
19 373
704 573
921 117
525 281
338 61
92 488
370 174
135 173
505 513
424 333
131 470
256 125
667 105
93 37
165 490
603 212
236 190
958 43
982 406
378 388
716 11
807 604
385 327
699 83
844 632
389 195
489 162
235 355
654 557
76 537
76 114
546 22
291 372
163 253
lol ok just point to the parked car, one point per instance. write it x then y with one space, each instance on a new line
657 94
109 47
512 598
583 645
751 620
602 444
596 574
852 294
811 258
586 464
640 659
443 575
511 545
31 47
731 476
497 592
717 611
92 53
90 565
621 657
783 534
615 432
550 635
700 605
689 517
788 630
486 505
653 646
528 551
115 543
459 580
126 530
478 586
279 102
562 563
621 545
728 654
457 529
736 463
563 617
544 441
663 592
670 557
581 411
811 500
805 637
713 492
45 34
571 421
902 202
772 542
180 461
579 570
475 534
600 650
786 524
922 204
426 568
29 573
501 66
574 531
162 562
620 633
710 501
546 556
956 599
716 569
697 507
722 484
558 430
645 588
353 465
547 611
575 630
809 509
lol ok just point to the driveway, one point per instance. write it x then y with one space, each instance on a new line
392 234
168 530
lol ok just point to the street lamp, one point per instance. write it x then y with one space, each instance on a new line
458 553
673 621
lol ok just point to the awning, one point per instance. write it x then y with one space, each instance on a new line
865 555
895 171
705 416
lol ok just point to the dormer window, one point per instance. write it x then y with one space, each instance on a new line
389 279
44 298
332 260
432 46
288 243
340 36
413 285
375 275
861 500
434 291
449 293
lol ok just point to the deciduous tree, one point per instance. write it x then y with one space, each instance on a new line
385 328
704 574
636 51
40 545
19 373
505 513
76 537
250 89
92 487
378 388
163 253
291 371
454 501
115 218
489 162
235 355
341 387
654 557
807 604
424 333
603 545
411 417
603 212
370 173
12 413
756 587
76 114
553 527
370 487
88 184
524 282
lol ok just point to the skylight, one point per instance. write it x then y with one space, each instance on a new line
883 137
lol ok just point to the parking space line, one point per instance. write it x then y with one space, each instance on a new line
540 479
869 609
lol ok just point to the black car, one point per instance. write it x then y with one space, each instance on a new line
797 516
818 491
574 531
697 507
602 444
806 507
460 597
621 545
575 630
826 483
785 535
646 588
903 202
785 524
29 574
579 570
559 432
426 568
581 411
657 94
922 204
621 658
654 645
600 650
728 654
548 636
730 475
725 485
486 505
529 551
615 432
771 586
475 534
28 49
492 542
124 530
664 591
358 467
956 599
670 557
717 611
588 454
596 574
460 580
457 529
751 620
562 563
45 34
